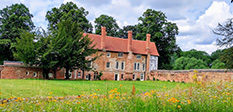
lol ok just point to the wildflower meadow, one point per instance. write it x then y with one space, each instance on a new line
115 96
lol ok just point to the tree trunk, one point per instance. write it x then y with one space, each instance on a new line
67 73
55 73
45 73
82 74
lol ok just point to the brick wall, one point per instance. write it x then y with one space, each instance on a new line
20 72
207 75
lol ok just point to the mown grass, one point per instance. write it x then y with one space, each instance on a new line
32 88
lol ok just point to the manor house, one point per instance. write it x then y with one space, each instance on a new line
121 59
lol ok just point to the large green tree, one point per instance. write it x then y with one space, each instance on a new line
225 32
109 22
162 33
204 56
186 63
72 47
14 20
69 10
123 33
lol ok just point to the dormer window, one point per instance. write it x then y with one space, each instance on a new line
139 56
120 54
108 54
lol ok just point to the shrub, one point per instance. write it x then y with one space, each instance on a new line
168 81
153 79
157 79
138 79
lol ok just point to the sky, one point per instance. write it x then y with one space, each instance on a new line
195 18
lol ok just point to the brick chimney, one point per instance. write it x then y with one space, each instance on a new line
103 35
148 43
130 39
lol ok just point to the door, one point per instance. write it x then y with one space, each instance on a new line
142 77
116 78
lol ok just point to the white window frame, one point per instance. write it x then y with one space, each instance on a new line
139 56
122 76
50 75
34 74
135 66
89 64
134 77
142 77
109 65
27 73
117 77
117 65
143 66
138 66
120 54
70 73
108 54
122 67
79 74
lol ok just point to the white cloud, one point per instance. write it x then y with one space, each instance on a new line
198 34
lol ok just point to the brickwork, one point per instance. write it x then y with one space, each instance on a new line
207 75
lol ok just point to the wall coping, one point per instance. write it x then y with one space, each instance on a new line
191 70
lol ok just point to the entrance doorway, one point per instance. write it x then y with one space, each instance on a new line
116 78
142 77
88 77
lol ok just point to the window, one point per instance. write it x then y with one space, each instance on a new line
135 66
133 77
142 77
89 64
27 73
122 76
70 74
108 54
117 65
138 56
50 75
79 74
120 54
143 66
122 65
34 74
108 64
138 66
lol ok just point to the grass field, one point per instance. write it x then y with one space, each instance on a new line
32 88
117 96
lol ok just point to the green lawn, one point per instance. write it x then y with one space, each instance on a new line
32 88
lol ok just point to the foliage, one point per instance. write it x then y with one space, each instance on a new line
225 30
109 22
202 55
185 63
72 47
162 33
123 33
216 54
217 64
14 20
227 58
69 10
99 76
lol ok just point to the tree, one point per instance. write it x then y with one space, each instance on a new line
69 10
14 20
33 48
186 63
217 64
72 47
162 33
226 31
204 56
216 54
123 33
109 22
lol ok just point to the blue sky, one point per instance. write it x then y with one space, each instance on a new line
194 18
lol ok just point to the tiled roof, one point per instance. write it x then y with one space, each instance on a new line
121 45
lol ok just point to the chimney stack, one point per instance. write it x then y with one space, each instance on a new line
103 35
130 39
148 42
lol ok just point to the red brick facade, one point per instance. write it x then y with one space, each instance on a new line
122 59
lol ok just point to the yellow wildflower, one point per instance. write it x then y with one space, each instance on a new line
120 85
179 106
78 102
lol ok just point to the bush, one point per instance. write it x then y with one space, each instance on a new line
174 81
98 77
128 79
157 79
153 79
138 79
168 81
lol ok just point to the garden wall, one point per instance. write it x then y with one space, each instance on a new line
207 75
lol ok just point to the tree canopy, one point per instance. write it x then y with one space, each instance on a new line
162 33
109 22
14 20
69 10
